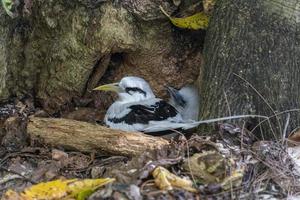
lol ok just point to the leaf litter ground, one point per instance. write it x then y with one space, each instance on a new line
231 163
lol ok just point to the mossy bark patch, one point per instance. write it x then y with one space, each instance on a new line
53 52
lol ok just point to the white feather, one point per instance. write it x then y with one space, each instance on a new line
190 111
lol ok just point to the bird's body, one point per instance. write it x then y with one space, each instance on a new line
137 108
137 116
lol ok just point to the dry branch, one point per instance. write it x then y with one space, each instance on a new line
89 137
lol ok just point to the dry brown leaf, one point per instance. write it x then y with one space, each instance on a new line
208 6
209 166
165 180
294 138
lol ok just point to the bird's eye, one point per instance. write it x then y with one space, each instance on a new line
132 90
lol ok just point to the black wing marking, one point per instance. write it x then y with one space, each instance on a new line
142 114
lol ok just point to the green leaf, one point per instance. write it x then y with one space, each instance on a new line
7 5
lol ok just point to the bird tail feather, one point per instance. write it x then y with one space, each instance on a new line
156 126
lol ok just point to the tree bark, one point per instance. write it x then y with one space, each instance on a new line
87 137
57 51
252 59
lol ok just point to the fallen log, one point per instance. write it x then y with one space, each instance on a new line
87 137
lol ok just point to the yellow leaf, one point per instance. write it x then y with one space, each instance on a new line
59 189
197 21
165 180
234 180
208 166
87 185
49 190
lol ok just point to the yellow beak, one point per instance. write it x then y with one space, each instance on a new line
109 87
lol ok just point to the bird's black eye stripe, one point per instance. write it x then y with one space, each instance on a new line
135 89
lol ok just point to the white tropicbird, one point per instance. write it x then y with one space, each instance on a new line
137 108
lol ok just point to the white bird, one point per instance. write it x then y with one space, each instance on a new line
137 108
186 101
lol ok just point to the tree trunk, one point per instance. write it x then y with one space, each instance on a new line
58 51
252 58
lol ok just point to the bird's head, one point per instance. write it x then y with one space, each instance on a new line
176 97
129 89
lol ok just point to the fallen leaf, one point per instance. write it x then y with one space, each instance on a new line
294 153
176 2
294 138
234 180
59 189
49 190
208 5
165 180
7 5
12 195
197 21
87 184
233 135
209 166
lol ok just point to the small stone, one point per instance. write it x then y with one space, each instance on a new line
97 171
59 155
49 175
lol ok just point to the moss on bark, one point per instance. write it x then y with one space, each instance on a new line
54 50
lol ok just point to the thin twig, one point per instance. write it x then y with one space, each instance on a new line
19 174
142 187
242 137
188 154
284 134
9 178
277 114
227 103
266 102
294 130
164 12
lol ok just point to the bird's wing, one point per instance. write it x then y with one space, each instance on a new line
145 112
